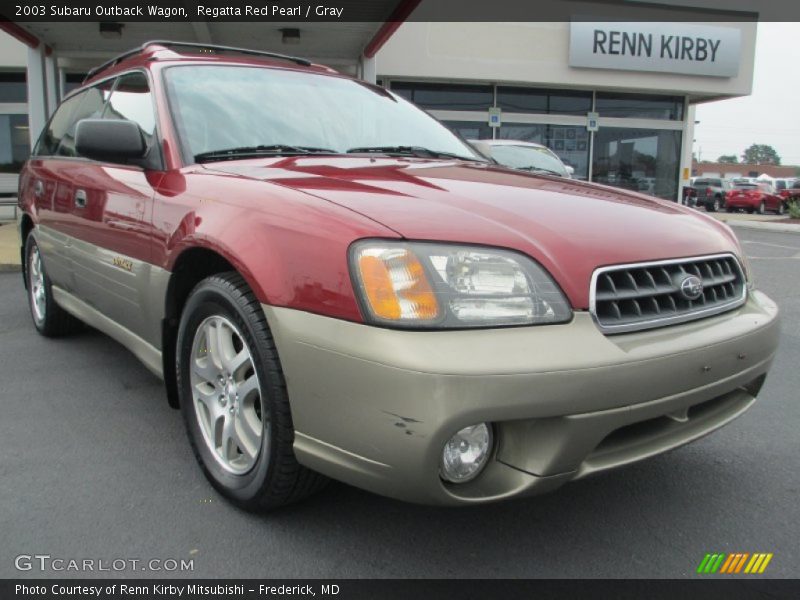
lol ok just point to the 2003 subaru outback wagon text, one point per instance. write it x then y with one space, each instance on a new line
332 284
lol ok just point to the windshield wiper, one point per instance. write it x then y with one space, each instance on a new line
410 151
533 169
262 150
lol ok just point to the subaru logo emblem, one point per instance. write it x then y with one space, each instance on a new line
691 287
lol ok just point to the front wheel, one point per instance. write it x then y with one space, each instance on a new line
48 317
781 208
233 398
715 205
762 207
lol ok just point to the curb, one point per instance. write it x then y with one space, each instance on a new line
787 228
10 268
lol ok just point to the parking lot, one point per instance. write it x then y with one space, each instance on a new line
94 464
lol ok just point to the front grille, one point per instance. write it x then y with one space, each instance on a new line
647 295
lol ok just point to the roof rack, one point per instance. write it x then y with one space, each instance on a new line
169 44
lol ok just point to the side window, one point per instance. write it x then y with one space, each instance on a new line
57 127
91 106
133 101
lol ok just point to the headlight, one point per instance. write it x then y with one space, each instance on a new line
430 285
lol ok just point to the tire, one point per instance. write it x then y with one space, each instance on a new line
762 208
781 208
222 317
48 317
715 205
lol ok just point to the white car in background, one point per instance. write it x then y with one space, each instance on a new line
525 156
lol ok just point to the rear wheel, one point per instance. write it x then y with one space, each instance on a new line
715 205
48 317
234 400
781 208
762 207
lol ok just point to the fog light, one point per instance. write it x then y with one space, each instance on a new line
466 453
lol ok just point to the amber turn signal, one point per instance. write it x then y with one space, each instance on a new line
395 285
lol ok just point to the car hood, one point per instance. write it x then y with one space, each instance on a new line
570 227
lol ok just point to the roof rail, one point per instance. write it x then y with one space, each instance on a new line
169 44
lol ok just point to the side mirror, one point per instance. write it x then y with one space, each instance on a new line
109 140
570 170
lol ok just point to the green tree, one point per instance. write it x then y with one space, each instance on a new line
729 159
761 154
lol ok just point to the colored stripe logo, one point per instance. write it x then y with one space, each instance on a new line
736 562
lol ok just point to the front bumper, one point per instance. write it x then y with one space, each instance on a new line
373 407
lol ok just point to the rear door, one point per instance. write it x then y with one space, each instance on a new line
112 211
51 188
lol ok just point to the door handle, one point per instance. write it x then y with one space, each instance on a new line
80 198
38 188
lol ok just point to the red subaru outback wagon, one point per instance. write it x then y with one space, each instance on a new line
332 284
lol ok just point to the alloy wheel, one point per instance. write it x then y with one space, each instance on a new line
36 285
227 395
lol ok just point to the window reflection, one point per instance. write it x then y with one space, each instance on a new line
14 144
438 96
470 130
640 106
643 160
13 87
570 143
554 102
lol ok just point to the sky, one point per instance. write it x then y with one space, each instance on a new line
771 115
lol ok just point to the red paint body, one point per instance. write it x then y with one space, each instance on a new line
751 199
286 223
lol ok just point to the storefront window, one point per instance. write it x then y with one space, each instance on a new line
570 143
441 96
13 87
14 144
554 102
470 130
639 106
644 160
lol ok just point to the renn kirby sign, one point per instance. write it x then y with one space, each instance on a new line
686 48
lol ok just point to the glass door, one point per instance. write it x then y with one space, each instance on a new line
569 142
643 160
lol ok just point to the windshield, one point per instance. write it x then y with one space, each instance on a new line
253 110
530 158
745 186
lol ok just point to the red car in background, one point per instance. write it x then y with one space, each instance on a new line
754 197
788 189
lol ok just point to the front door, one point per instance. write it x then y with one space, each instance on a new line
112 208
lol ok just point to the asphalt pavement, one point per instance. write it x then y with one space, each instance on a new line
95 465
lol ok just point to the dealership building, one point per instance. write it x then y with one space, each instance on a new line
615 101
